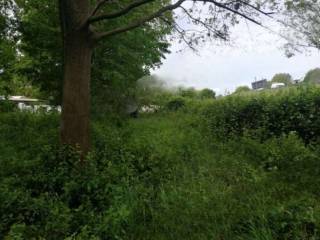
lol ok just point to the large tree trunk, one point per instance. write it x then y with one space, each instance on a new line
75 129
75 120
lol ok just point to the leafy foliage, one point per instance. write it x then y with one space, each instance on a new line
282 78
207 94
175 104
312 77
271 113
117 63
301 23
7 48
122 60
41 45
242 89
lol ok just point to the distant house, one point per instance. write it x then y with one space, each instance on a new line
23 99
259 84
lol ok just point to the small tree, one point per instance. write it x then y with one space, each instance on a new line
285 78
207 94
242 89
312 77
188 92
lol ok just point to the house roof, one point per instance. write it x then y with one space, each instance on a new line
20 99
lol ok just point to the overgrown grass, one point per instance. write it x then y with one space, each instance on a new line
166 175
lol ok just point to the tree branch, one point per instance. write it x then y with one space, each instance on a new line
119 13
256 8
139 22
224 6
205 25
181 33
161 11
100 3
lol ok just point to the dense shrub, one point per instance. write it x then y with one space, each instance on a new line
267 114
175 104
7 106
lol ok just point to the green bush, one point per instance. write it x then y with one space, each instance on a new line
295 220
175 104
7 106
267 114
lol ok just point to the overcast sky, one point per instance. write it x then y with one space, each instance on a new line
255 54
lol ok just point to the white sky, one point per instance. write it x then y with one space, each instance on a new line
256 53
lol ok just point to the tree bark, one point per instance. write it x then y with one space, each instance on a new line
75 128
78 48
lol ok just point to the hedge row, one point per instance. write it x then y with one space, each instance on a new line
266 114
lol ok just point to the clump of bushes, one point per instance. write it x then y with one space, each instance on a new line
7 106
175 104
54 197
